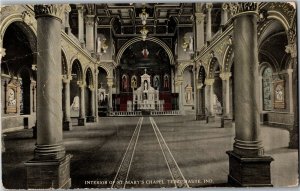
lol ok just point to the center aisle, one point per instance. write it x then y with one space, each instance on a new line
148 167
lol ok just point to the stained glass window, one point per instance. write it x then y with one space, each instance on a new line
267 89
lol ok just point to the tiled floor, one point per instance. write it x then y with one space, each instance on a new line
178 148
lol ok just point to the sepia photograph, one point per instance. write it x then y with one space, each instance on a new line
149 95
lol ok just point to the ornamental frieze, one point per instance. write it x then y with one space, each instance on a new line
243 7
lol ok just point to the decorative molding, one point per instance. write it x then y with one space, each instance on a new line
225 75
243 8
209 81
27 18
200 17
208 6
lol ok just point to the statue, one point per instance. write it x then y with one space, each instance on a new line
75 104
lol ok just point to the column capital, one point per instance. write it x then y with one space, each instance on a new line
208 6
81 84
199 17
200 86
240 8
110 81
80 7
66 78
91 87
225 75
209 81
225 6
49 10
90 20
292 49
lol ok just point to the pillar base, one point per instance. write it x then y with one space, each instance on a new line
294 138
200 117
210 119
49 173
249 171
67 126
91 119
81 121
226 122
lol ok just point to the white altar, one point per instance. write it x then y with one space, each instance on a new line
146 97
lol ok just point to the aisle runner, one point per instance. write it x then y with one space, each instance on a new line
122 174
174 169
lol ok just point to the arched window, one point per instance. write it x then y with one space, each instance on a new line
267 89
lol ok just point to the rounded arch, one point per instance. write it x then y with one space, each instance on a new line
265 65
89 76
212 66
279 17
201 74
152 39
13 18
181 69
77 70
64 63
227 59
106 69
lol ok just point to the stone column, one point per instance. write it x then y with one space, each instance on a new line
92 118
96 93
224 13
290 76
291 48
209 96
32 97
67 124
226 120
2 54
80 9
110 84
247 161
178 83
89 32
201 102
199 28
208 24
50 167
82 117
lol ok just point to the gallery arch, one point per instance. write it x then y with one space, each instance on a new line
18 77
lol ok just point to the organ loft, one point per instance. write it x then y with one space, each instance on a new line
142 95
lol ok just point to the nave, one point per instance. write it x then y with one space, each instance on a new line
136 151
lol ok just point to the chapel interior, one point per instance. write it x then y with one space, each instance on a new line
149 95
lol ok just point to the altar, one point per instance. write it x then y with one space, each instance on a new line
146 97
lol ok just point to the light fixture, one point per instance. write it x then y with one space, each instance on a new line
144 33
144 15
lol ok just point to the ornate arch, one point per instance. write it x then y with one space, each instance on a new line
152 39
64 62
107 70
182 67
213 62
227 58
89 75
25 18
78 67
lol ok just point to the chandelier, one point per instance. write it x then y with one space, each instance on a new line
144 15
144 33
